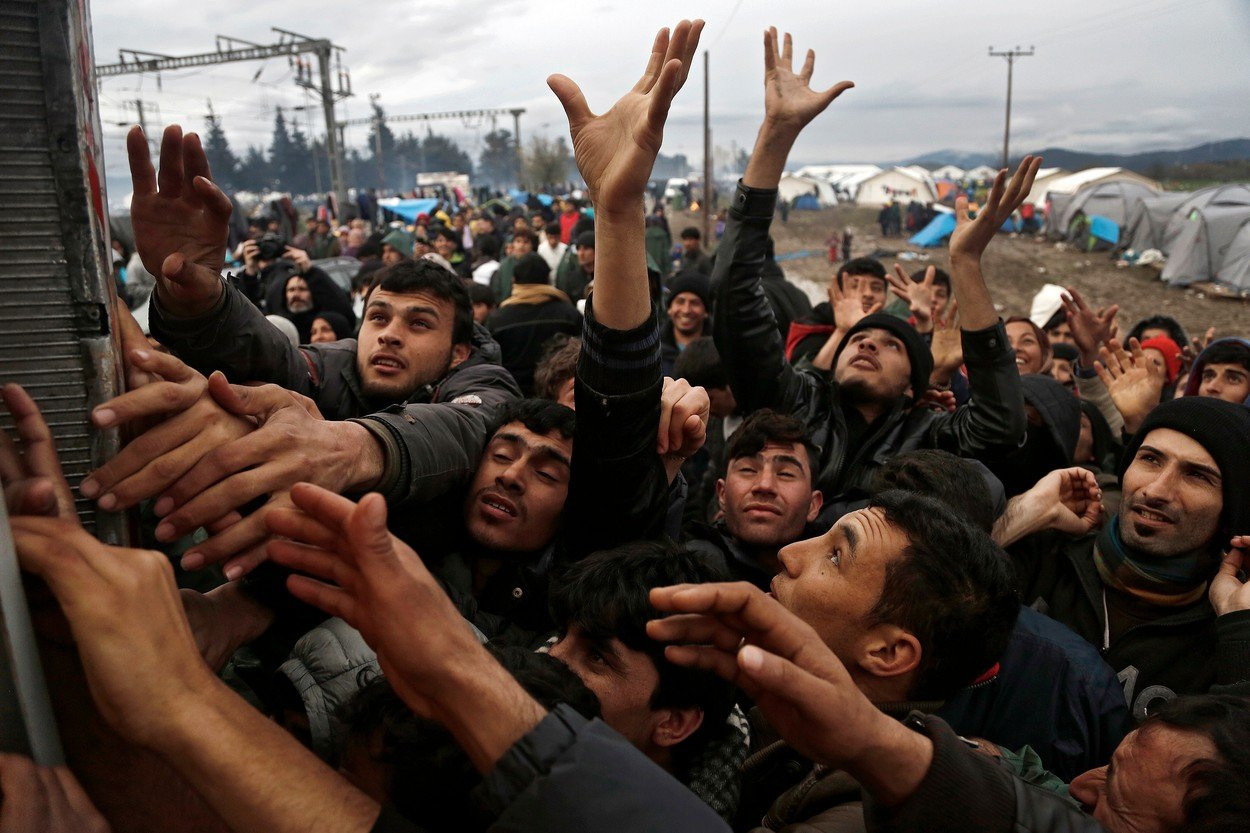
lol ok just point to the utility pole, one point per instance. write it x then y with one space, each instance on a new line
1010 55
516 133
292 45
377 141
707 155
137 104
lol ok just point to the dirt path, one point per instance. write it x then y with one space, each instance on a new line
1015 268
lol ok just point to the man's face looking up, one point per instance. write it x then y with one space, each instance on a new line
405 342
1173 495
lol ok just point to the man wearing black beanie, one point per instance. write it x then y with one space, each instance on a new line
1148 589
864 410
689 308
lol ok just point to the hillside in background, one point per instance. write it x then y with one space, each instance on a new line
1211 160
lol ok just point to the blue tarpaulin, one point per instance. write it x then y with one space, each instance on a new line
807 202
408 209
1104 229
520 197
939 228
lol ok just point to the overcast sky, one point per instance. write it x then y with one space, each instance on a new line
1114 75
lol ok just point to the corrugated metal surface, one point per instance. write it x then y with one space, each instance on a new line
53 289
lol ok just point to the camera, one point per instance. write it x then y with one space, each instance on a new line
270 246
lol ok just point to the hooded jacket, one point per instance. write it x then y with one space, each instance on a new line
431 441
523 324
1195 373
744 327
327 296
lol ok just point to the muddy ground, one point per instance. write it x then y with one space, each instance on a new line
1015 268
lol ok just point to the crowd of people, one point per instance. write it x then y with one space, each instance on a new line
533 531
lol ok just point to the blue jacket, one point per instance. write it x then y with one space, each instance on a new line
1053 692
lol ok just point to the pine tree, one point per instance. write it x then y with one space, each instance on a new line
221 159
443 154
301 172
380 137
498 162
282 160
255 172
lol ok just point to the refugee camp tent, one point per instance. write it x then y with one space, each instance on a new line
843 179
951 173
981 173
1108 199
896 184
1234 272
1217 195
1148 217
1199 250
1056 204
793 186
1041 184
938 229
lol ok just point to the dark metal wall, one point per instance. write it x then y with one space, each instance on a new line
55 284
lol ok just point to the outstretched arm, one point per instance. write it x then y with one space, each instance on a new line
744 326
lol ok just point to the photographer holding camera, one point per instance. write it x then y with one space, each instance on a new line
281 280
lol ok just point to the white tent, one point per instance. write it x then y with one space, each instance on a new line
952 173
844 179
1199 251
1041 184
981 172
793 185
899 184
1072 183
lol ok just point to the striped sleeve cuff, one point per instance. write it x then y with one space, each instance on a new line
618 362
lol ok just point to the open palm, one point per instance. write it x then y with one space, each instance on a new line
615 151
789 100
181 226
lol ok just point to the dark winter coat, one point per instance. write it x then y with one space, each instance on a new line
991 423
1186 650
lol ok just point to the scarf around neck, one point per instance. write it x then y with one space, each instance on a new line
1172 581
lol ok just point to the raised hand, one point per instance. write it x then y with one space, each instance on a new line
847 308
789 100
1134 381
616 151
291 443
178 423
972 235
1228 592
356 570
181 226
919 296
1090 328
947 345
31 475
128 623
745 636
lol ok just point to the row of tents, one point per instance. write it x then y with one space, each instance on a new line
1204 235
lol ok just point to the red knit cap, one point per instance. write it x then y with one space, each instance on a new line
1171 354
